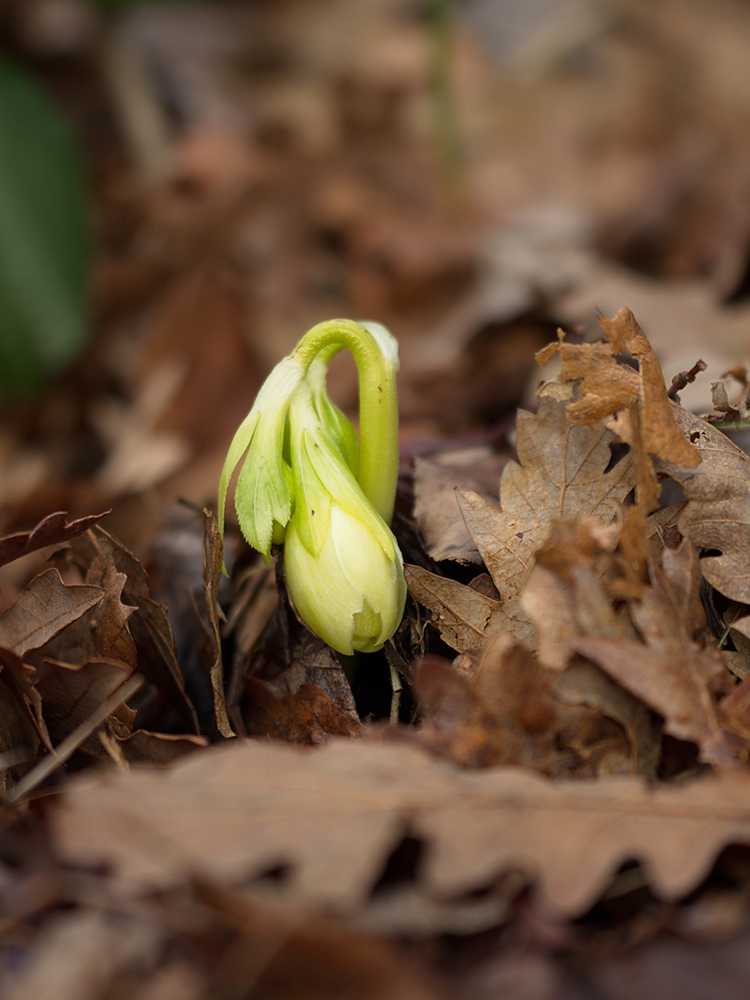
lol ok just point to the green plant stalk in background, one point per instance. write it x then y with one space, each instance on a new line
308 483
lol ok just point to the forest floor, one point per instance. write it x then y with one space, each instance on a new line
549 206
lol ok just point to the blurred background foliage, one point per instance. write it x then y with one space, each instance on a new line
44 234
44 229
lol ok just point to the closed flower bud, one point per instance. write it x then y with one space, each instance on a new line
344 570
308 481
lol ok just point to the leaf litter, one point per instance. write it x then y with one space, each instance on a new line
539 763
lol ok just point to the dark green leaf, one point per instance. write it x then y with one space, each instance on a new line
43 235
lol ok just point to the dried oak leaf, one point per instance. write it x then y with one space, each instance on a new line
334 816
562 474
717 515
51 530
607 387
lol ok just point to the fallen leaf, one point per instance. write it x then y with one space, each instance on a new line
717 515
663 437
334 816
671 675
563 467
145 748
102 631
501 708
43 609
71 692
52 530
445 535
148 625
464 617
307 716
585 684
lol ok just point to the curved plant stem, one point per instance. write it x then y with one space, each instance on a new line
378 404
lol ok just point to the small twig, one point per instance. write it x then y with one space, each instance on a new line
684 378
73 740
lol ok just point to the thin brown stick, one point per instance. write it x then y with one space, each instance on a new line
73 740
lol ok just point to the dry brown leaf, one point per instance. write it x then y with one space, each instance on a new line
573 587
562 474
157 749
717 516
662 435
102 631
307 716
562 471
672 673
43 609
585 684
644 417
464 617
149 625
52 530
71 692
443 533
334 815
499 707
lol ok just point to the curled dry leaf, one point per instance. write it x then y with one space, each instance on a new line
335 815
607 387
102 630
52 530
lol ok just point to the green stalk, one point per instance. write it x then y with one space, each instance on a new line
378 403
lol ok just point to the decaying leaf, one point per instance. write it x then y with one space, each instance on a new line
562 474
501 707
102 630
148 625
334 815
607 387
563 467
464 617
717 516
306 716
43 609
443 533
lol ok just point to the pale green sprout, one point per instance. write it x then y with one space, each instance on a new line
307 481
